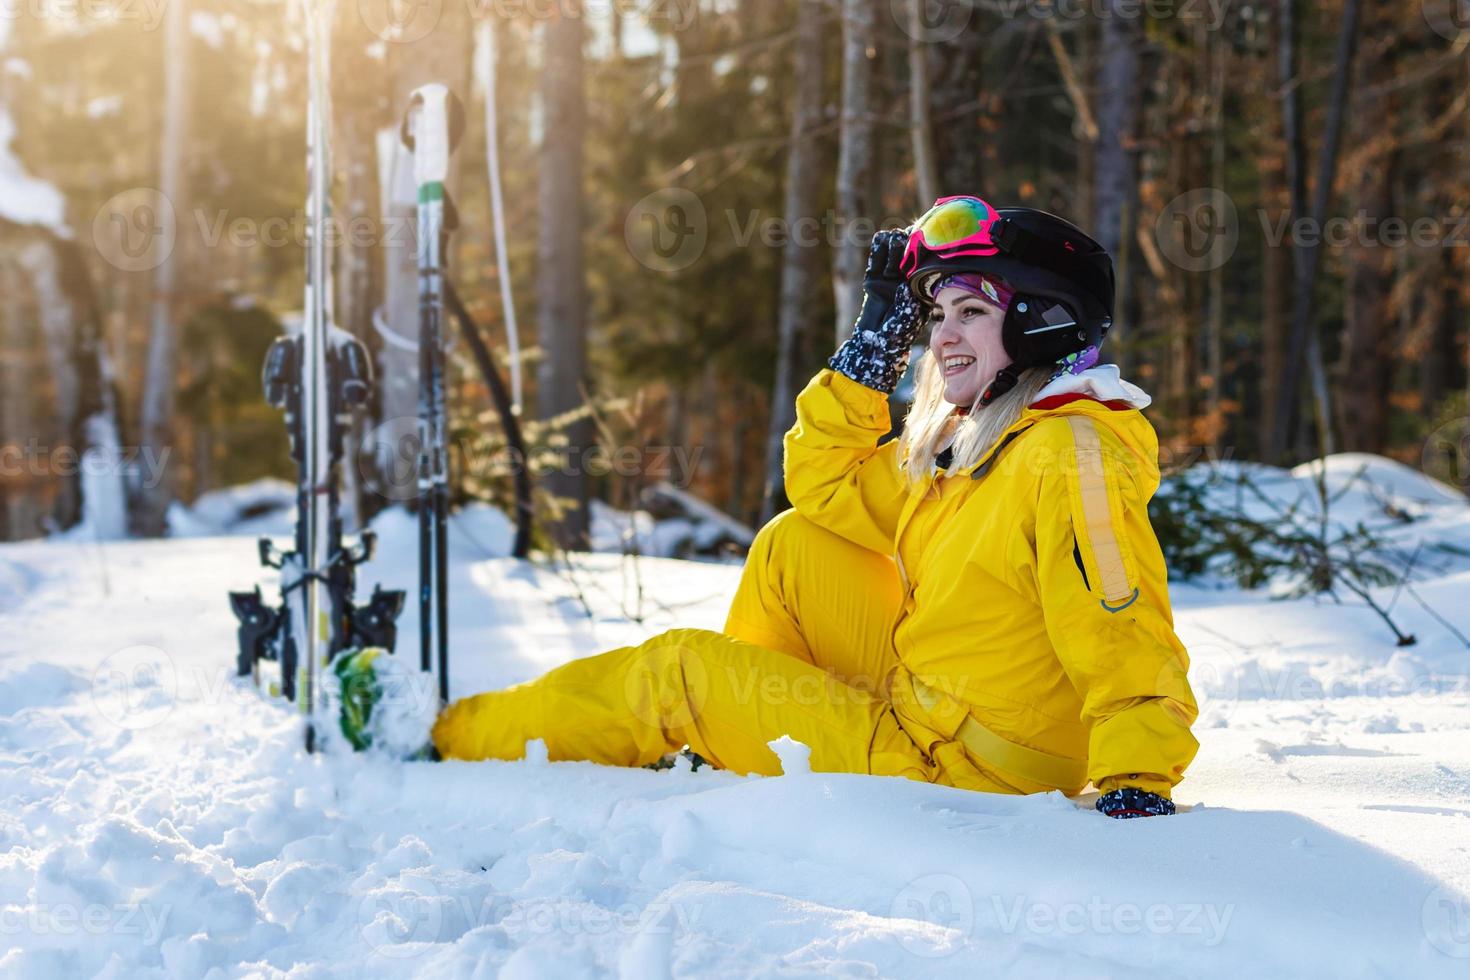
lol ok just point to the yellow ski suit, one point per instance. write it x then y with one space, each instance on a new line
1003 628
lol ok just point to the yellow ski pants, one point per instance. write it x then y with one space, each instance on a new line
805 651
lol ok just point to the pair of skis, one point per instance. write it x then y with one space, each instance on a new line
319 378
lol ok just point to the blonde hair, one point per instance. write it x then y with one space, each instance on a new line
931 419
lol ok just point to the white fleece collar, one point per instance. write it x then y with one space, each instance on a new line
1103 382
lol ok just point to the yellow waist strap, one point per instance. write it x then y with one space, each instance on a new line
985 745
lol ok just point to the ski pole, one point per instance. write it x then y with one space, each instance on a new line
430 130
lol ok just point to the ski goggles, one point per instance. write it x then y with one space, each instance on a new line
958 225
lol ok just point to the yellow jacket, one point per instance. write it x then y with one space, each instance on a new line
1036 630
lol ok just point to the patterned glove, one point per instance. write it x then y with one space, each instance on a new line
878 350
1127 803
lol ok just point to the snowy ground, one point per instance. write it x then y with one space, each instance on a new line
157 819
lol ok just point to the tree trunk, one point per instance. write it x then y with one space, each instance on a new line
855 209
798 266
960 96
1303 341
1368 359
1437 362
1215 359
561 291
358 114
1114 162
1272 162
161 378
921 129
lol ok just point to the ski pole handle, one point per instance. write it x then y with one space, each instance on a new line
431 130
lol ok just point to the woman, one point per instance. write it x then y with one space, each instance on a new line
980 603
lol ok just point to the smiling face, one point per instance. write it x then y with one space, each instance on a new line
965 341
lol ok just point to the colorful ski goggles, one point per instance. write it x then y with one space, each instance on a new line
958 225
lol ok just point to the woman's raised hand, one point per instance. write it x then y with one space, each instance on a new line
886 326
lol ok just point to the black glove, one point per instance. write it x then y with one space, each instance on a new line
878 350
1127 803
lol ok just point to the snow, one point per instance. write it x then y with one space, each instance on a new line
24 199
265 507
158 819
701 529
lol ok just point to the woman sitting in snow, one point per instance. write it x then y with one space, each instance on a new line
980 603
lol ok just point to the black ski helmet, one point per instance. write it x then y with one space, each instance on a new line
1063 282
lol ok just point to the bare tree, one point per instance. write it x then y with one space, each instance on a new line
1365 368
921 126
1114 179
161 378
798 263
560 289
1304 341
854 158
359 111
